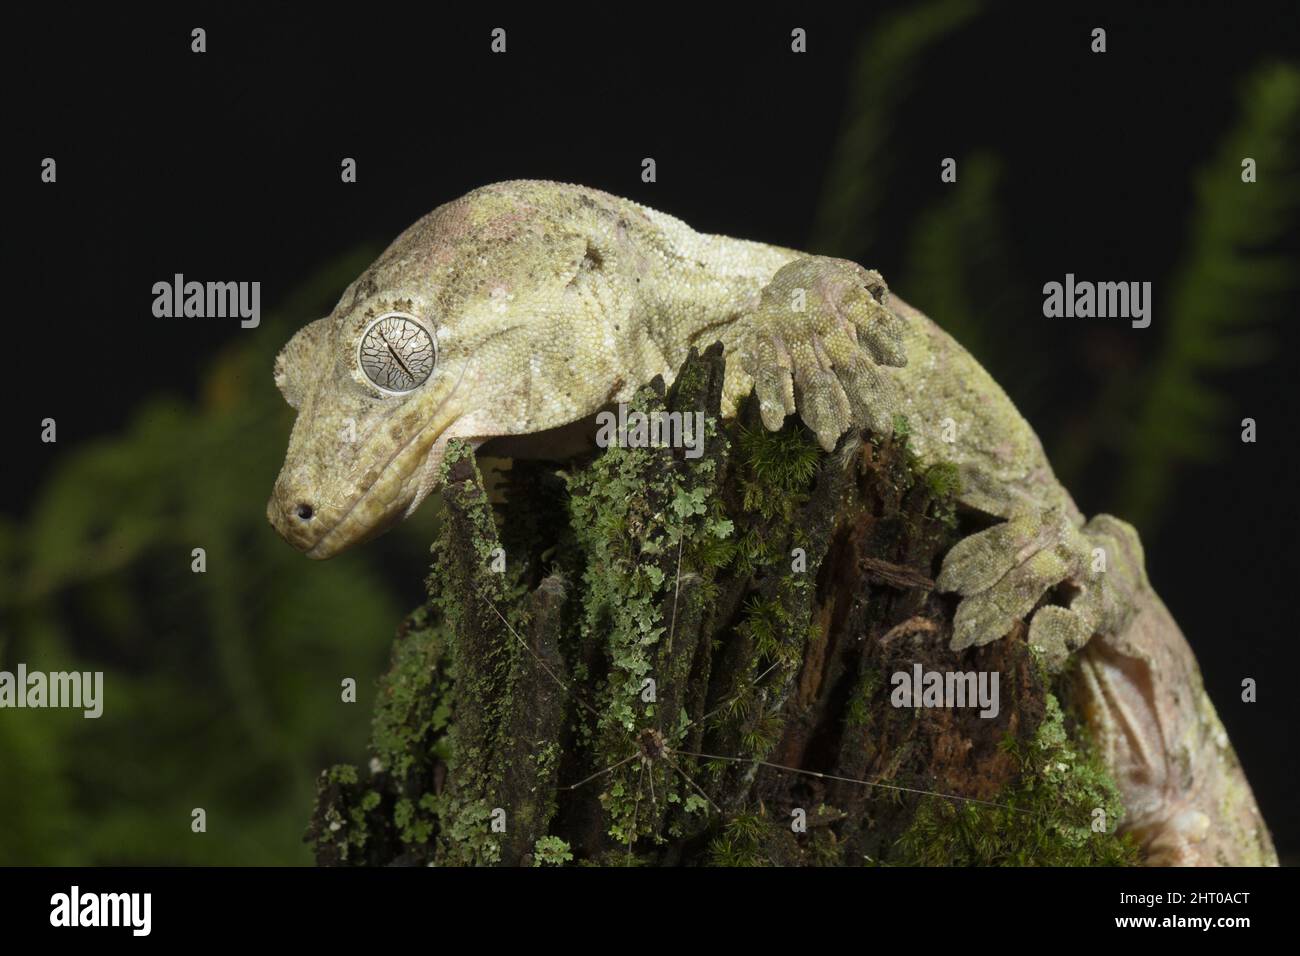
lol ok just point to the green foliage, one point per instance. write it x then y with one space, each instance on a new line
1045 819
551 851
222 689
891 56
740 842
1234 279
37 795
961 272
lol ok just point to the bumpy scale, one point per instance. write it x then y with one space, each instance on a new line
539 303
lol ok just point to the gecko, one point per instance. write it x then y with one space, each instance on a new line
526 306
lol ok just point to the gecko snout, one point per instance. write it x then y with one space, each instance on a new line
296 517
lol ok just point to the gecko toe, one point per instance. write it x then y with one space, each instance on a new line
1057 632
881 334
1001 573
976 563
775 391
825 407
989 615
872 394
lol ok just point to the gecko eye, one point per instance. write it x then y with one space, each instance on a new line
397 353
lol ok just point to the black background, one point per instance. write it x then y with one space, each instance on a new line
348 906
226 165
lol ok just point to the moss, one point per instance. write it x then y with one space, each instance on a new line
413 711
650 592
413 821
765 623
467 835
784 460
343 829
740 843
902 428
858 715
642 520
341 774
943 480
1045 819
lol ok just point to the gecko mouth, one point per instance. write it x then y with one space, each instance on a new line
399 485
382 503
378 505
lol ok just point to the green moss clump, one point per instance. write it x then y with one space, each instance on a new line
786 459
943 480
413 710
858 716
1046 818
741 842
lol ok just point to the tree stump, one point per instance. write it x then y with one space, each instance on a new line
643 657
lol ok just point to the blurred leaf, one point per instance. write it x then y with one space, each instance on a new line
857 179
1233 281
960 271
222 690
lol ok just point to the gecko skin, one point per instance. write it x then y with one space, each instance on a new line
536 304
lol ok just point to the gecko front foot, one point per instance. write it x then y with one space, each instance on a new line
816 343
1004 572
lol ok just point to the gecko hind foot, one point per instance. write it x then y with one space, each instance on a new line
1003 573
817 342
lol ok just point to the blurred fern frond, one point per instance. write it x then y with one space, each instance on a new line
222 688
1232 282
960 269
884 74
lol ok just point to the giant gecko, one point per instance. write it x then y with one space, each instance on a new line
525 306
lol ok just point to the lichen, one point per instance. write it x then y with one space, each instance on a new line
668 633
551 851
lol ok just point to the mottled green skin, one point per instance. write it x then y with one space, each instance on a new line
546 303
550 301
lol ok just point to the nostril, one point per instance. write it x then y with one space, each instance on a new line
304 512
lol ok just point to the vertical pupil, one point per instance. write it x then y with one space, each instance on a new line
397 354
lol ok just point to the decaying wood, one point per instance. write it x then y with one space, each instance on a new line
516 725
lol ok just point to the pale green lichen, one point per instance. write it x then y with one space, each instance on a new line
551 851
645 542
635 520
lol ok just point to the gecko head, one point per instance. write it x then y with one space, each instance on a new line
375 389
432 342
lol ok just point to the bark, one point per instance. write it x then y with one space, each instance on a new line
691 661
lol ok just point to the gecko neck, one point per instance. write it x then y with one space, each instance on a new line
703 283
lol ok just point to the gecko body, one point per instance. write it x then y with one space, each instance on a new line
525 306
